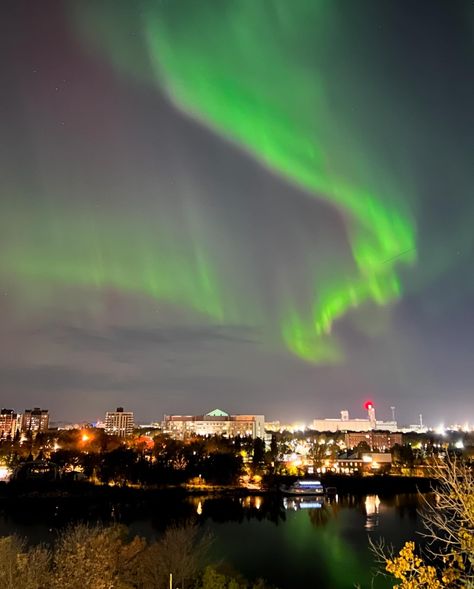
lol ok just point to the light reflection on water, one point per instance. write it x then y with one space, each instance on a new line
293 542
298 542
372 504
302 503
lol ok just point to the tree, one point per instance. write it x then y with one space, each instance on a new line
214 579
412 571
274 448
449 522
258 451
403 455
222 469
68 459
93 557
449 533
98 557
117 466
23 567
180 552
170 453
318 454
362 447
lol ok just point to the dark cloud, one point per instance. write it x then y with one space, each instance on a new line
119 339
50 380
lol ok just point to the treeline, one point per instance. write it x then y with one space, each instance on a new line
107 459
127 466
98 557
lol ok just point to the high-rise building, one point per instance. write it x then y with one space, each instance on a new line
10 423
216 422
119 423
35 420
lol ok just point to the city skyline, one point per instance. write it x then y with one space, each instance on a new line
345 421
252 207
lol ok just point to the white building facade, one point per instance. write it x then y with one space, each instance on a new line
346 424
214 423
119 423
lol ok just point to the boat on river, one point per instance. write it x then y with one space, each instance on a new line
304 487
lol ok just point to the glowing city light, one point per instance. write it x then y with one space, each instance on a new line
441 430
5 473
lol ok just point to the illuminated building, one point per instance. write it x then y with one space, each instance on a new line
278 426
368 462
273 426
119 423
68 425
346 424
35 420
377 460
374 439
216 422
10 423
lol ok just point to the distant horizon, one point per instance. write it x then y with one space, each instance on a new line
283 420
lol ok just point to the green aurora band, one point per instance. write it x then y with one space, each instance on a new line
241 68
98 252
317 531
259 74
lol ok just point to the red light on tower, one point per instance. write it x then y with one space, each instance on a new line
368 405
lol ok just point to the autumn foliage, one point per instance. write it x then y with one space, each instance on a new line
449 536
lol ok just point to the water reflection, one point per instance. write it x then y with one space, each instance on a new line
302 503
165 509
294 542
320 510
238 509
372 504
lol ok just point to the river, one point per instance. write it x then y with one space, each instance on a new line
293 544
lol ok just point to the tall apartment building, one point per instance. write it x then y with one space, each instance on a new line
216 422
35 420
119 423
10 423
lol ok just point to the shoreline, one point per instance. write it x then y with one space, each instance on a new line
384 485
54 507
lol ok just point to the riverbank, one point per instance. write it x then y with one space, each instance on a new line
349 485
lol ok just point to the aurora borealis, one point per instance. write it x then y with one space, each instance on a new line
230 77
211 204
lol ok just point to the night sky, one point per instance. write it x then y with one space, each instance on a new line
259 205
